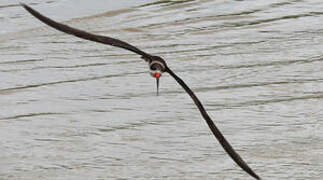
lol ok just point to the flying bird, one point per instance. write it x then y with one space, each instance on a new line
157 66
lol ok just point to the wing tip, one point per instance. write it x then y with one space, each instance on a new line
23 4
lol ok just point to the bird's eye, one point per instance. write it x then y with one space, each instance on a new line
154 67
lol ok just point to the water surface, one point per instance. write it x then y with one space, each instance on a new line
74 109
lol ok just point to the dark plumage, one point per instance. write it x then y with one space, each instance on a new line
157 65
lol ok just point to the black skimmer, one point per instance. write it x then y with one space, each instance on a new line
157 66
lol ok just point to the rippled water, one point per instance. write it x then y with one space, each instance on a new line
74 109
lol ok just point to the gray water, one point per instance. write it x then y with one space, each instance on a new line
71 109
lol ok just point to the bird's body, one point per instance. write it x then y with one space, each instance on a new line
157 66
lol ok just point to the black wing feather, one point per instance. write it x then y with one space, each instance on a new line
83 34
115 42
217 133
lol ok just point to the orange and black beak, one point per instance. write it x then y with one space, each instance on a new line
156 67
157 75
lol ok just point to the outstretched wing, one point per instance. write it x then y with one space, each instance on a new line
83 34
217 133
115 42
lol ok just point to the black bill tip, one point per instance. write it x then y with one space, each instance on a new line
157 83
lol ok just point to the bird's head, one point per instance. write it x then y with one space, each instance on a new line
157 66
156 69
